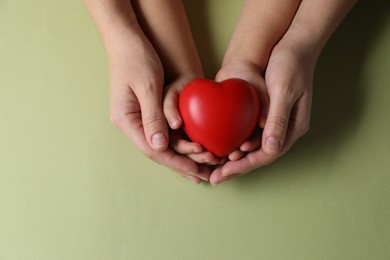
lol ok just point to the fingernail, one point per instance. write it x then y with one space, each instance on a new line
203 178
158 140
193 179
198 175
272 144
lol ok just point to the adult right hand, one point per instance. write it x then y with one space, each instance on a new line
136 86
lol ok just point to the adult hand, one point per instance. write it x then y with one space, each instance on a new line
136 86
137 51
288 85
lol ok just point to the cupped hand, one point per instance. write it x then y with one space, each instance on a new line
285 117
136 86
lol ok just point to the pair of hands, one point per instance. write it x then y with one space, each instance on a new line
147 112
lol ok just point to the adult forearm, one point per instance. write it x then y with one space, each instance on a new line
165 24
314 23
117 24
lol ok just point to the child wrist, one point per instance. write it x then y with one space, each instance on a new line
243 64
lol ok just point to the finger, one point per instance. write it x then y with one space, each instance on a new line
178 163
171 107
205 158
204 172
236 155
253 143
298 126
123 100
248 163
276 125
193 179
216 177
201 174
153 120
264 105
183 146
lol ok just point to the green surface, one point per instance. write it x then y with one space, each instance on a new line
73 187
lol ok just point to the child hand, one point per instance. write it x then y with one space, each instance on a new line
251 74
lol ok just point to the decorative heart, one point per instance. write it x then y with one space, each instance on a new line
220 116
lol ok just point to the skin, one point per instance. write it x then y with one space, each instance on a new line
288 82
261 25
141 62
151 57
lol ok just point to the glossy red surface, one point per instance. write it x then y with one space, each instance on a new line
219 116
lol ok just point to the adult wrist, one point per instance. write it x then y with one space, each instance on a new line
303 42
124 43
256 59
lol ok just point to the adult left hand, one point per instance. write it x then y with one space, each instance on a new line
286 97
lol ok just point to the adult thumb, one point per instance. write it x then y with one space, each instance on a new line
153 120
276 125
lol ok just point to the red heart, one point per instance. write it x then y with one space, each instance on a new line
219 116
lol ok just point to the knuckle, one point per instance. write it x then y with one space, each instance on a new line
116 119
208 158
152 118
278 123
169 108
284 90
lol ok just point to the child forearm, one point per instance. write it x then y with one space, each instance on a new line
165 23
111 14
260 27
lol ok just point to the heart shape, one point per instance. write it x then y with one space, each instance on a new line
220 116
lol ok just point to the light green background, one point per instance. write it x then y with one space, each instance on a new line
73 187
